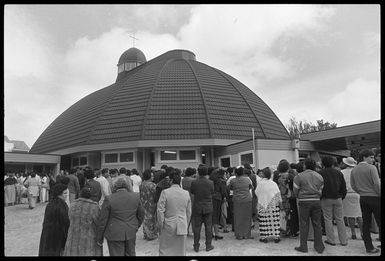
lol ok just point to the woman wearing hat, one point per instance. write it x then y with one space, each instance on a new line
351 203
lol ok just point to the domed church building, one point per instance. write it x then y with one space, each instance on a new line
171 110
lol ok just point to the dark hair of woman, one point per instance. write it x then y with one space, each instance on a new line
210 170
247 172
221 173
85 192
202 170
266 173
65 180
58 190
283 166
214 175
239 171
189 172
299 167
327 161
175 177
33 174
163 175
310 163
89 174
147 174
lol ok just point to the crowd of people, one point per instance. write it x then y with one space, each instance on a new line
301 200
29 187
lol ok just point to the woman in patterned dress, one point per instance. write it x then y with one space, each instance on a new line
147 191
269 205
33 185
283 178
10 189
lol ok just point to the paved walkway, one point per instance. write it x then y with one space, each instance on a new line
23 228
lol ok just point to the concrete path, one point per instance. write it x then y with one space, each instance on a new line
23 228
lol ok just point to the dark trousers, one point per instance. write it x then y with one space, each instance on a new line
122 248
206 219
293 222
310 209
369 206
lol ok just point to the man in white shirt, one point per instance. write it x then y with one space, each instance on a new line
136 180
104 184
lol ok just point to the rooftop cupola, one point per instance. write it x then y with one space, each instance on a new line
130 59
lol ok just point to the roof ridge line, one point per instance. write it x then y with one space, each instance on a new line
248 105
203 99
105 107
151 96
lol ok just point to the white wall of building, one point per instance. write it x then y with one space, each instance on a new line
267 158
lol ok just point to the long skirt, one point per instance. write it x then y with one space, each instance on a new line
269 223
171 244
242 219
32 201
351 205
43 195
18 193
10 194
150 230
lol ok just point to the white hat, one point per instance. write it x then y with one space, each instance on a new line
349 161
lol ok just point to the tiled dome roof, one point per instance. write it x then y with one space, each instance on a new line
132 55
171 97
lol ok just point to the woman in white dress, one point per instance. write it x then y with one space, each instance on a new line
351 203
44 190
33 185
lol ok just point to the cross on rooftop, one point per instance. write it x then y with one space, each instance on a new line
133 39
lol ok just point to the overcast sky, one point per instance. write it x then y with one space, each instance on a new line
310 62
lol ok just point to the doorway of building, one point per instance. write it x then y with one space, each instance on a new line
152 159
203 157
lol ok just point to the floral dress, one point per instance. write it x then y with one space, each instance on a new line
285 195
147 197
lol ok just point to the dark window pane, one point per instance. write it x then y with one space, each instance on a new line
83 160
75 161
187 155
127 157
225 162
168 155
110 158
247 158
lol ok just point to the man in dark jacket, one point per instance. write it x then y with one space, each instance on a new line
203 190
121 216
333 192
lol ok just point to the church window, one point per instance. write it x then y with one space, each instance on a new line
111 158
